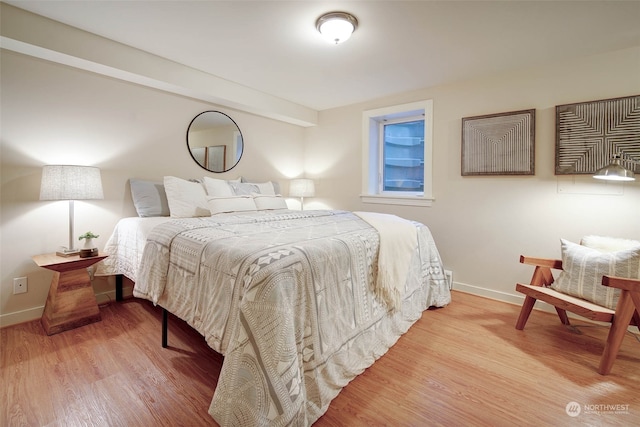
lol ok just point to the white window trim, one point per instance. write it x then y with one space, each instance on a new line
370 155
386 199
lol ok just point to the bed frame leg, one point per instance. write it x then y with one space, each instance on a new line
165 327
119 283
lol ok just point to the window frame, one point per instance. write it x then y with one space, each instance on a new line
372 146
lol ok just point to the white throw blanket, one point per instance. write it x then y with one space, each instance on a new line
398 243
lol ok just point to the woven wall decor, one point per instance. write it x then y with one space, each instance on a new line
588 134
499 144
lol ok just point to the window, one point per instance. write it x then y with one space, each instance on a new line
397 147
402 155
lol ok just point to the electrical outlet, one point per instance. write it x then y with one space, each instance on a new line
19 285
448 274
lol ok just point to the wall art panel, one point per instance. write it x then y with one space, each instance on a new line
499 144
588 134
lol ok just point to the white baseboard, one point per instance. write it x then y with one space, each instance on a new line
109 296
488 293
516 299
105 297
21 316
35 313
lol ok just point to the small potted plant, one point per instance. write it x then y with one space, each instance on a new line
89 249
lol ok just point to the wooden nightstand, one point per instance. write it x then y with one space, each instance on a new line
71 301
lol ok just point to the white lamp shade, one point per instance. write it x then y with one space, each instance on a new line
68 182
302 188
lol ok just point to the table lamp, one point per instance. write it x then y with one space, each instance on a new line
69 182
301 188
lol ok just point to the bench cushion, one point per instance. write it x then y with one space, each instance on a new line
583 268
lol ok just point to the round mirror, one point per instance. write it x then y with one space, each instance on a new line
214 141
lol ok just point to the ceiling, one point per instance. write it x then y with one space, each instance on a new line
399 46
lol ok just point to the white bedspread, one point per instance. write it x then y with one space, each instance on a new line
126 245
288 297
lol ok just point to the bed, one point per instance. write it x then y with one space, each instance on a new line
294 300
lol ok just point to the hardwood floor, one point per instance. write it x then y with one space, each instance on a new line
464 364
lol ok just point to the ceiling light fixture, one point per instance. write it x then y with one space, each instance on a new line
336 27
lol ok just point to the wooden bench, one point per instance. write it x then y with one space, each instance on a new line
626 312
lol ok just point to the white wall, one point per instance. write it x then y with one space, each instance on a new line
54 114
483 224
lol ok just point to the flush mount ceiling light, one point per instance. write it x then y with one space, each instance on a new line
336 27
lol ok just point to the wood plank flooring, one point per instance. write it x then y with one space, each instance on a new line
462 365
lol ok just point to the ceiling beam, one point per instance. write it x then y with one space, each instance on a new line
40 37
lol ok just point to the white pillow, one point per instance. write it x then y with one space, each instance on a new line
266 202
265 188
217 187
583 268
230 204
248 188
244 188
608 244
269 187
149 198
186 199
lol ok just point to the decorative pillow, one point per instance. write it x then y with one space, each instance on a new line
218 187
269 187
186 199
266 202
583 268
244 189
265 187
149 198
608 244
230 204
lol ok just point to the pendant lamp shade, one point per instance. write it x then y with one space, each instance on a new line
615 171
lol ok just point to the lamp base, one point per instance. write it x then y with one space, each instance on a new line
68 252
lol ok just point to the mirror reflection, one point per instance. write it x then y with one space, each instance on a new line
215 141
